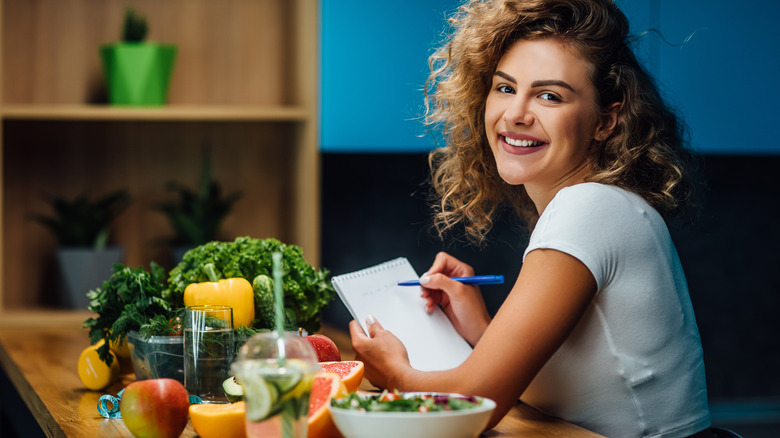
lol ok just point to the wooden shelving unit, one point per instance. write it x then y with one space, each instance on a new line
186 113
245 84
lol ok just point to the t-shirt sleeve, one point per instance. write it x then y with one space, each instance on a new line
585 221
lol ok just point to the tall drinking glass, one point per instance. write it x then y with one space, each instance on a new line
276 373
208 351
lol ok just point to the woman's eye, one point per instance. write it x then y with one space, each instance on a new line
550 97
505 89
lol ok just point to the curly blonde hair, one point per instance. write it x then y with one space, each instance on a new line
645 153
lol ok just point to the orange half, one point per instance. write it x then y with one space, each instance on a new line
219 420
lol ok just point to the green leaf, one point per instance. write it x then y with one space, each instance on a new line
129 299
82 222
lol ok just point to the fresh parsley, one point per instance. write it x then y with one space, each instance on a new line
130 299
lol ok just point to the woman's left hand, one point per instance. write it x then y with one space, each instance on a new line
384 356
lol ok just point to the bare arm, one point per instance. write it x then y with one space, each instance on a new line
550 295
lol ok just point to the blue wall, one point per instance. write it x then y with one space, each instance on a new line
374 66
723 80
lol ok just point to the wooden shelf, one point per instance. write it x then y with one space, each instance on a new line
205 113
245 84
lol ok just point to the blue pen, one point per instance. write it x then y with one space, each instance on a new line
476 279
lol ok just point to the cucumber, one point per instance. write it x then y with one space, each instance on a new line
263 287
233 390
261 398
285 382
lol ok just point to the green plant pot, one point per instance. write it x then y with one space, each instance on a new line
138 73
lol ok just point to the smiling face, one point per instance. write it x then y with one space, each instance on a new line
541 118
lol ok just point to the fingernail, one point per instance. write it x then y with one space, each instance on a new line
370 319
425 279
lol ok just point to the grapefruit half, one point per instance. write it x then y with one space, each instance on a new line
326 385
350 371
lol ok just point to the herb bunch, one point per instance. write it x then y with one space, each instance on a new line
132 299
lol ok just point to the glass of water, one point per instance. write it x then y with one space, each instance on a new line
208 351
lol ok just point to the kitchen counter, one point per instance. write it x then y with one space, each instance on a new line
38 356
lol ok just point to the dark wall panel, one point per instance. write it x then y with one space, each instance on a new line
375 209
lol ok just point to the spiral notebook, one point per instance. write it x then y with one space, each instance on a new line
430 339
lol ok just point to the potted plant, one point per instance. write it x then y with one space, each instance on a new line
196 215
137 72
82 228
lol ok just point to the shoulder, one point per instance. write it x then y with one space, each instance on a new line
591 195
599 203
597 224
596 215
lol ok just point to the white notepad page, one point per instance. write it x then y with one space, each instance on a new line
430 339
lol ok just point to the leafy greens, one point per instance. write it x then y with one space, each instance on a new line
150 303
306 290
128 301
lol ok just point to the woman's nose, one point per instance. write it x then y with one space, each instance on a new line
518 113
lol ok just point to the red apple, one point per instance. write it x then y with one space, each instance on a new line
325 347
155 408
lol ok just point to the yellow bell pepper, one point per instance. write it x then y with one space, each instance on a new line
234 292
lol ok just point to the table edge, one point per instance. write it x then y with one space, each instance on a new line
37 407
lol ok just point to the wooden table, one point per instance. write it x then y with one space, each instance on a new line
38 355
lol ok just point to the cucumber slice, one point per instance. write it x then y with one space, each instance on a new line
303 386
260 396
285 382
233 390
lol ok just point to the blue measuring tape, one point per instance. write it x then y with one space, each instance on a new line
113 412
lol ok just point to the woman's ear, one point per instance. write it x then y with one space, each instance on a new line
608 122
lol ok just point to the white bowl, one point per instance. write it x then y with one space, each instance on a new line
465 423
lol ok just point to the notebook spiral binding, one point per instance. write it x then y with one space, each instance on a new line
372 270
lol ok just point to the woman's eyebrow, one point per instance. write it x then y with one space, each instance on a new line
505 76
547 83
536 84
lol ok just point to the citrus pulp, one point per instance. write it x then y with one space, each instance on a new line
326 386
350 371
219 420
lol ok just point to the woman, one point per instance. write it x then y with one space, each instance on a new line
545 109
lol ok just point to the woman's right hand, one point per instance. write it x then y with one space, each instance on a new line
463 304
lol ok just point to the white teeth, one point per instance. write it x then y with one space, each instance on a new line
522 143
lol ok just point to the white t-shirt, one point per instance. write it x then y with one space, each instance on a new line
633 365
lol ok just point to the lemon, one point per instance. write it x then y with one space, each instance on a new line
219 420
93 372
303 386
121 347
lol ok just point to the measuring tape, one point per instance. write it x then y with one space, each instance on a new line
113 412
